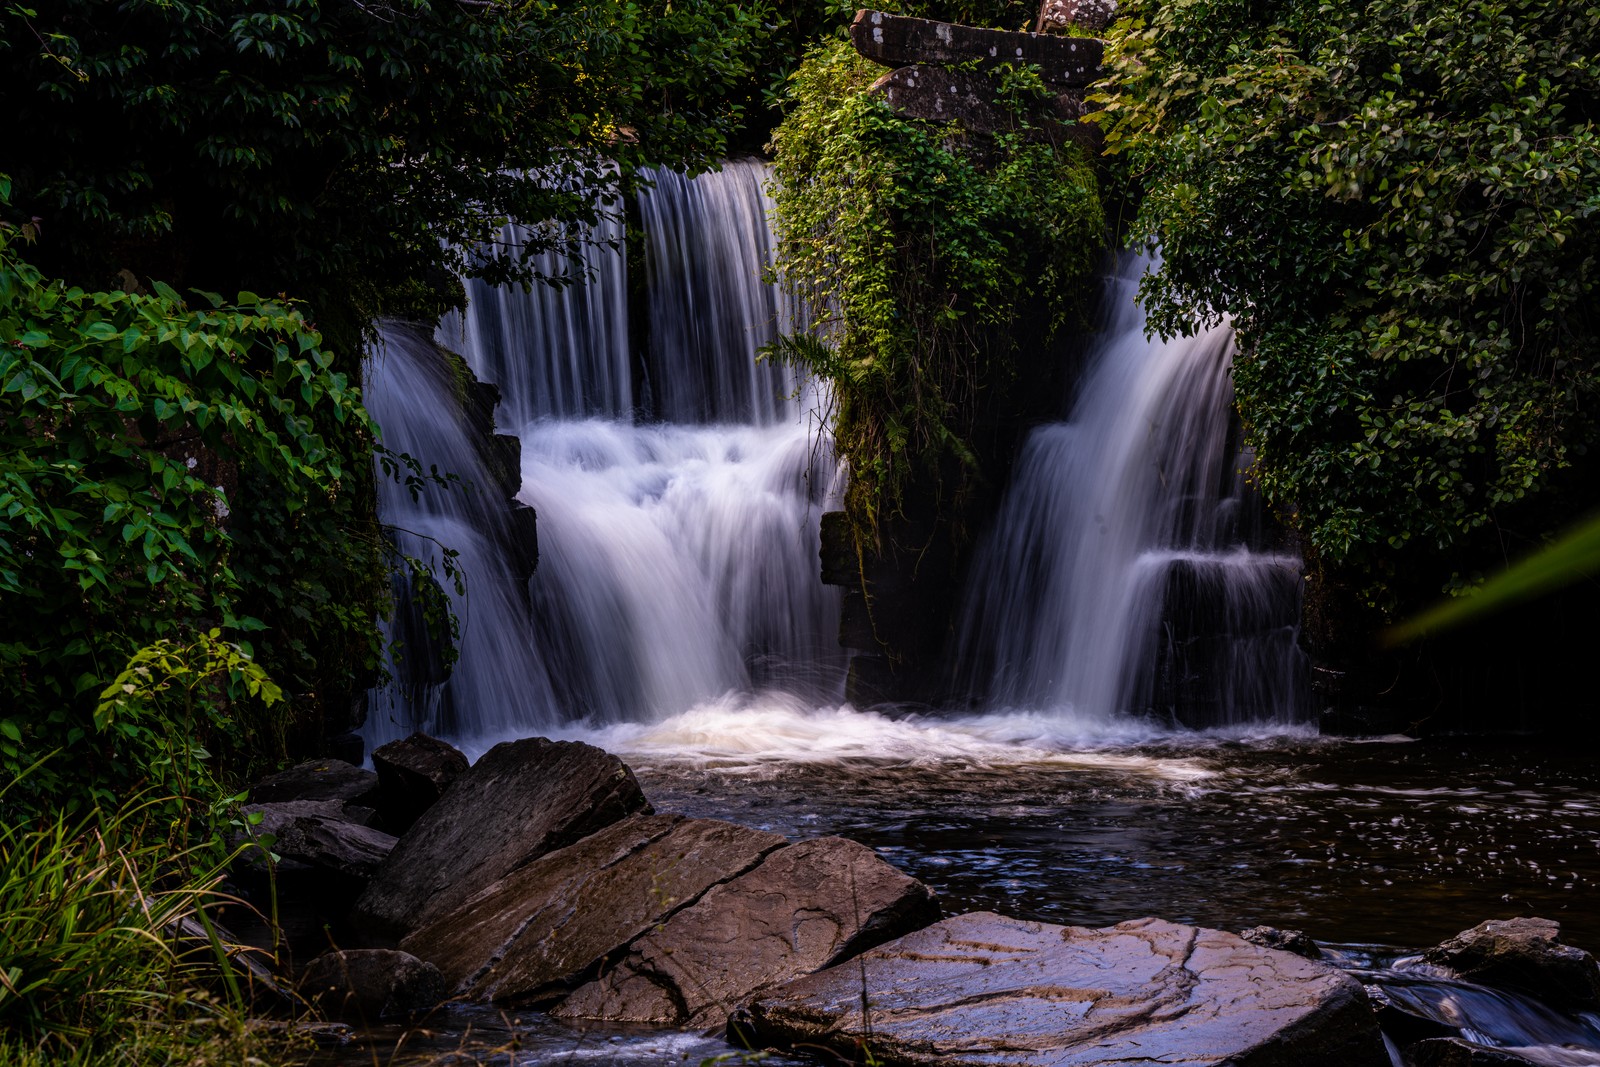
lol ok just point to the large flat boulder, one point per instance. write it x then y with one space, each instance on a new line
901 41
1524 955
534 934
522 800
805 907
984 989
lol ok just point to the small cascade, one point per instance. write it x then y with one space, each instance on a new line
708 249
499 683
1127 570
678 558
579 331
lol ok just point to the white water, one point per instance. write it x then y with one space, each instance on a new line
678 559
677 606
1119 577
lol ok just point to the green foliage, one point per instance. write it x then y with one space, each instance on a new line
333 149
127 423
1395 203
92 967
921 252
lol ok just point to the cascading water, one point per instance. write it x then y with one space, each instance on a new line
678 558
1125 571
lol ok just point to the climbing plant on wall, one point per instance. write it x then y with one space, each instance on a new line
920 250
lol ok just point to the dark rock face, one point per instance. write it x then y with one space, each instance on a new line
936 95
1454 1052
372 984
1283 940
981 989
325 779
322 835
412 775
1523 956
523 799
901 41
806 906
534 934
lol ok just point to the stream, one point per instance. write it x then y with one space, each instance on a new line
1145 742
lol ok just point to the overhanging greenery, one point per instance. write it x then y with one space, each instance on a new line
1395 201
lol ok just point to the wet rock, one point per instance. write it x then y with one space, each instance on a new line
324 779
1523 955
523 799
983 989
936 95
1283 940
901 41
805 907
541 930
319 834
372 984
1455 1052
412 775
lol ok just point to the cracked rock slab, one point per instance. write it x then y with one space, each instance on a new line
981 989
805 907
523 799
531 936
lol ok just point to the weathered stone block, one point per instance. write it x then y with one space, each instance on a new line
901 41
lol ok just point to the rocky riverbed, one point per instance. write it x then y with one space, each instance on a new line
539 879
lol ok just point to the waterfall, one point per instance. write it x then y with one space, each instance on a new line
1127 571
678 482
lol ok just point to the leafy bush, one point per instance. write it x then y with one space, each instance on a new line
334 149
1395 202
128 422
921 252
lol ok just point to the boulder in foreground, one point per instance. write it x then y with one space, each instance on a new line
807 906
981 989
536 933
523 799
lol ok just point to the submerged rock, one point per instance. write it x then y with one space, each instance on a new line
413 774
534 934
1523 955
522 800
805 907
1283 940
372 984
981 989
1455 1052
